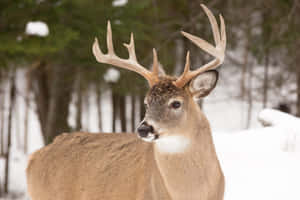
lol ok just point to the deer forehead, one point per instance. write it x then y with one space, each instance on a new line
162 92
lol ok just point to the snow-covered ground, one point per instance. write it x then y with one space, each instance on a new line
258 166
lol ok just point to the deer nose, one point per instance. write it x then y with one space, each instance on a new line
144 129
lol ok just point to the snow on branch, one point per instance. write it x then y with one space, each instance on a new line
112 75
119 3
37 28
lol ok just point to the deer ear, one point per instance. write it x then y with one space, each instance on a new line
203 84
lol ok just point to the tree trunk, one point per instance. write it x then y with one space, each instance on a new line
26 120
78 103
123 113
142 107
249 113
3 121
57 120
9 129
52 88
298 93
179 56
39 78
87 110
17 126
266 81
243 79
115 103
98 93
133 113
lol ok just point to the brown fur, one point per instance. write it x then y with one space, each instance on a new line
84 166
163 91
80 166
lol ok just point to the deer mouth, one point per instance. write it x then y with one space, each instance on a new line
146 132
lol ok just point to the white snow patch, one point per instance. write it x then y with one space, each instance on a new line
112 75
37 28
271 117
119 3
256 167
172 144
289 125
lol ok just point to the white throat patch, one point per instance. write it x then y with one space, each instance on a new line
172 144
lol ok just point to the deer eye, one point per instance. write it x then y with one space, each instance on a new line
175 104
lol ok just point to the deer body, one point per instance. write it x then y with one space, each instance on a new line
172 158
135 170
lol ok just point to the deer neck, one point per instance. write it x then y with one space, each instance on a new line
189 171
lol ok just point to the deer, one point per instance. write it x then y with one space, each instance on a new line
172 156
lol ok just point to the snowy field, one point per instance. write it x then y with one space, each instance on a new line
260 164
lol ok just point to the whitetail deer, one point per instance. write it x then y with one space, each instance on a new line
178 160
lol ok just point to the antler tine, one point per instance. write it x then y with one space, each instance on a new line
223 33
217 51
186 70
110 45
155 64
214 24
131 48
187 65
131 63
202 44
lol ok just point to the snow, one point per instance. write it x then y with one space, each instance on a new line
261 175
271 117
256 166
119 3
37 28
112 75
289 124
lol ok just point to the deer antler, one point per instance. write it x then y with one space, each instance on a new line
218 52
131 63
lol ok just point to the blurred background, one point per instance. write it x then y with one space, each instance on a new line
50 82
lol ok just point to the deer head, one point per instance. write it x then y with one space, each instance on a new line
171 101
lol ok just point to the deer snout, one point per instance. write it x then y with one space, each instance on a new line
144 129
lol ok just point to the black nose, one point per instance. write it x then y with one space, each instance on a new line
144 129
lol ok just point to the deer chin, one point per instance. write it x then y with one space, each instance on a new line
151 137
